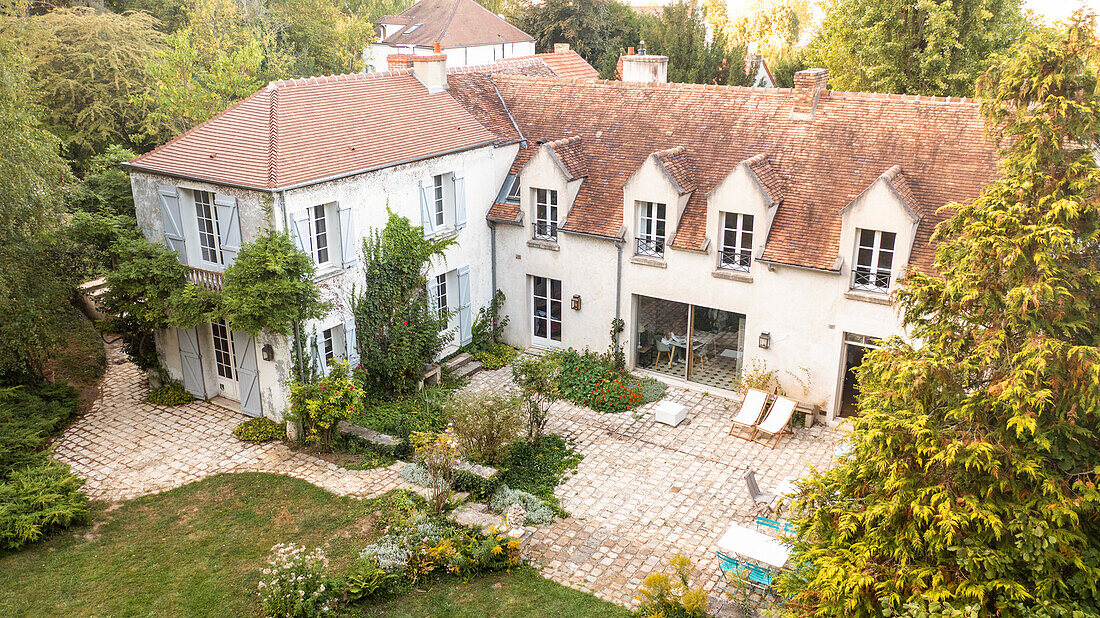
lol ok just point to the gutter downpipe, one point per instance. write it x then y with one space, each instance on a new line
618 278
296 343
493 255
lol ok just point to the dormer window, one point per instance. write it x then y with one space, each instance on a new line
411 29
546 214
874 261
513 191
651 229
736 242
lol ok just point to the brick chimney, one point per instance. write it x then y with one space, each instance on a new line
561 47
431 70
808 86
643 68
399 61
751 61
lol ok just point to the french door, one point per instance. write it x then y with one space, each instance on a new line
224 361
545 311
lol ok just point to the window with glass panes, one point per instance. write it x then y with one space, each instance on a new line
546 310
320 235
441 295
651 229
208 227
546 214
438 199
513 191
736 241
874 260
329 345
223 350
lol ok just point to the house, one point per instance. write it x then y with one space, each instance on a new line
739 233
644 68
468 33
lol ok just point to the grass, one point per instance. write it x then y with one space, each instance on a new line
521 592
198 550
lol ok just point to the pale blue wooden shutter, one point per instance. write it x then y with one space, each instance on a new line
319 364
191 362
464 318
172 221
427 217
248 374
299 230
229 227
349 251
460 202
349 343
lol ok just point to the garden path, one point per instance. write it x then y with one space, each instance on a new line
645 491
126 448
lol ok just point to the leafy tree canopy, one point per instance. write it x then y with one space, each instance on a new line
693 55
105 187
89 69
972 484
913 46
598 30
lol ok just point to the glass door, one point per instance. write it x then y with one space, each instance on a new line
545 311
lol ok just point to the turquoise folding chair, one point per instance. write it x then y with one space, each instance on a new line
756 576
779 527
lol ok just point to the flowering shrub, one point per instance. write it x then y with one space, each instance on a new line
495 356
672 595
294 583
589 380
428 548
320 406
438 453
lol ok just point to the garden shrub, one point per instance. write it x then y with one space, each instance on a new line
38 499
403 416
438 454
416 473
320 406
478 487
427 548
171 394
538 513
589 380
538 468
485 424
495 356
672 595
29 415
537 379
650 389
487 330
260 429
295 583
365 578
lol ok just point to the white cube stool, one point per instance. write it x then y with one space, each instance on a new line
669 413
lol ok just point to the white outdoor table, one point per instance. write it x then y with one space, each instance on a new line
749 543
786 487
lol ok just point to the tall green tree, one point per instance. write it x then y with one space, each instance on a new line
972 486
598 30
397 330
913 46
89 69
694 55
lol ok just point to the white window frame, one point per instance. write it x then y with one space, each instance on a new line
441 295
513 192
546 214
652 229
873 277
223 347
206 221
439 202
549 319
319 228
738 255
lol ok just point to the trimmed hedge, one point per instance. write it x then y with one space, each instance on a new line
260 429
171 394
496 356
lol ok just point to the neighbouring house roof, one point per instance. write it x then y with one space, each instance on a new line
679 167
811 168
304 130
452 23
565 64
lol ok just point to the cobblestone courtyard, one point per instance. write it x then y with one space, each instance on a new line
127 448
645 491
642 493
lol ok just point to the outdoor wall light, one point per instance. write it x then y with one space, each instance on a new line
267 352
765 340
576 304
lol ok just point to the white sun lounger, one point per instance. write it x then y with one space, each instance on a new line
778 420
751 407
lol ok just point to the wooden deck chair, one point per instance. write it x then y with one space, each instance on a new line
778 420
749 414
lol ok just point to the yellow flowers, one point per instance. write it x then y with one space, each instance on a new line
497 550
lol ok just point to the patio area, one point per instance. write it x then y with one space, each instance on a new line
645 491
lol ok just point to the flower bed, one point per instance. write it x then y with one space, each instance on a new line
587 379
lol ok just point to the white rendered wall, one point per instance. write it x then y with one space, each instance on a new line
474 55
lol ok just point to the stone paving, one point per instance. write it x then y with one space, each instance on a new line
127 448
645 491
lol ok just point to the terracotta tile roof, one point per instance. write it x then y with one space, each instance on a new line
478 94
454 23
679 167
565 64
897 180
569 64
297 131
818 166
504 211
766 175
570 155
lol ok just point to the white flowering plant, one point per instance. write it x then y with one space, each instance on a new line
295 584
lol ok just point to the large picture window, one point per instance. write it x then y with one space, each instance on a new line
736 242
651 229
874 261
690 342
546 214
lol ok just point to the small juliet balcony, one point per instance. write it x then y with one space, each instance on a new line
209 279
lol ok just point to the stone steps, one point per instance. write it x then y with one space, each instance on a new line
463 365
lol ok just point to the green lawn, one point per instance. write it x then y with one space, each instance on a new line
198 550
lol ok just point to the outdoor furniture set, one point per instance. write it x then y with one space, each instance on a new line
775 423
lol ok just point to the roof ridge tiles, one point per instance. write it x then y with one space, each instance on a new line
339 77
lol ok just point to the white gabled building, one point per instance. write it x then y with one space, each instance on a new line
467 33
732 229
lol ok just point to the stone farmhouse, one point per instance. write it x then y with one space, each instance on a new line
735 231
468 34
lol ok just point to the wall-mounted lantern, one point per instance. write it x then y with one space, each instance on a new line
576 304
765 340
267 352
